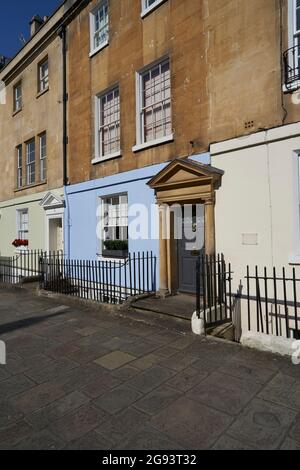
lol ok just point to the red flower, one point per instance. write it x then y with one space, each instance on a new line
17 243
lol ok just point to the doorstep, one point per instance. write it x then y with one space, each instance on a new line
180 306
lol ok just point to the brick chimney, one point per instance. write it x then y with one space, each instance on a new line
35 24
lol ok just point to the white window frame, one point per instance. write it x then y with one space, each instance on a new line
99 155
146 8
103 225
43 157
21 233
94 49
19 166
140 139
18 99
30 165
43 77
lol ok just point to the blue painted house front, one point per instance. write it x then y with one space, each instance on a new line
82 212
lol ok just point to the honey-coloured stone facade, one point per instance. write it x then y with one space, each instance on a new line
226 76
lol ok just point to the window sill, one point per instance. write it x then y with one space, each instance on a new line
17 111
112 156
153 143
151 8
34 185
294 260
41 93
98 49
102 257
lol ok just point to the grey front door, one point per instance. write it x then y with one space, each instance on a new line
190 246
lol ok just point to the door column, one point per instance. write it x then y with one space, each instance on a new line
210 235
163 250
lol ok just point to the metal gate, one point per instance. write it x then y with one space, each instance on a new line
214 290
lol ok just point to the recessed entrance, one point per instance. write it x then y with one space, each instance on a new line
56 234
190 246
185 182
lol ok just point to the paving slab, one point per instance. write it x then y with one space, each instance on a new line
148 438
224 393
99 386
290 444
118 399
229 443
284 390
151 386
119 426
187 379
41 418
90 441
78 423
150 379
45 440
114 360
157 400
38 397
193 425
15 385
262 424
295 430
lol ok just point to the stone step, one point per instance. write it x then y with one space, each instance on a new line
225 331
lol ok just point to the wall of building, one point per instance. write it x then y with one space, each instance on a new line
173 29
259 196
39 113
82 208
225 72
37 222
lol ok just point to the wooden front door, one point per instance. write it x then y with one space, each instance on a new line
190 246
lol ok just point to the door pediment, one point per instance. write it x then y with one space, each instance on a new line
52 201
185 179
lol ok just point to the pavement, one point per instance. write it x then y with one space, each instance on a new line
84 378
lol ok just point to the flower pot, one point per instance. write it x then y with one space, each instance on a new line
115 253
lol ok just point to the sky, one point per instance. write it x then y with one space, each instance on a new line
14 21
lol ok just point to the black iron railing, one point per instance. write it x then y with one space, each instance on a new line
26 264
273 302
291 62
214 290
101 281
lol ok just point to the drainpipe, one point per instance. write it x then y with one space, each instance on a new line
62 34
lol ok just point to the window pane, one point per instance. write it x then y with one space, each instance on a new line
19 167
109 117
156 99
101 25
17 97
30 162
43 76
115 223
23 225
43 156
148 3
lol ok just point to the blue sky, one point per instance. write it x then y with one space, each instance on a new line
14 21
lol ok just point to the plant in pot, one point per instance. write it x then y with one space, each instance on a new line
116 248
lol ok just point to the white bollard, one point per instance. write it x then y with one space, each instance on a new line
198 325
2 353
